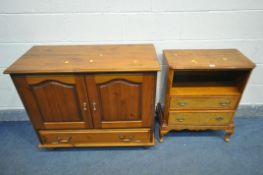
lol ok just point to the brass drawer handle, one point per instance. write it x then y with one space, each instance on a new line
219 118
180 119
137 141
65 140
225 103
126 139
181 103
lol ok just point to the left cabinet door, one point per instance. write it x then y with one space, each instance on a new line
55 101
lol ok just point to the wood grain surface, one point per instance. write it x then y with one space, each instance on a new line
86 58
207 59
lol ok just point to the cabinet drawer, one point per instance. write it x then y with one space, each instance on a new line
89 137
217 102
200 118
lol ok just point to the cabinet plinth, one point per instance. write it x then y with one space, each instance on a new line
204 88
85 96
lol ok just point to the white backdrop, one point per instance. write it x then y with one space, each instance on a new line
166 23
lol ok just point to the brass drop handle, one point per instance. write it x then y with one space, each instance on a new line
225 103
180 119
85 106
125 139
94 106
137 141
66 140
219 118
181 103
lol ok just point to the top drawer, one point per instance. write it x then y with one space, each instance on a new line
217 102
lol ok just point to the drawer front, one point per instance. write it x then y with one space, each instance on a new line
203 102
95 137
200 118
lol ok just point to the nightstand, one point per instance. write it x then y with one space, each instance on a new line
204 88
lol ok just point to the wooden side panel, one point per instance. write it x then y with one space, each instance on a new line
170 75
148 100
28 100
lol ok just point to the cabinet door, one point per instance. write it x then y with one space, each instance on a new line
121 100
55 102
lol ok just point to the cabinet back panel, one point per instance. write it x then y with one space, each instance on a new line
223 77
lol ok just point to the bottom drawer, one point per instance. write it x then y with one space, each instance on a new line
94 137
200 118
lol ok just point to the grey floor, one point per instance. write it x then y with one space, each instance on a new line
181 153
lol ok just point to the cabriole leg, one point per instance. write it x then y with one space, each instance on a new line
228 135
160 136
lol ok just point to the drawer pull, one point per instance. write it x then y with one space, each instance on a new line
180 119
225 103
219 118
182 103
65 140
125 139
138 141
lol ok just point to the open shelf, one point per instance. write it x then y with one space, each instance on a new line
199 82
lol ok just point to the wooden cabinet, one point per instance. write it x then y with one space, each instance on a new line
204 88
89 95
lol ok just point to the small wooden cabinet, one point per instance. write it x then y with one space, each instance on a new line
80 96
204 88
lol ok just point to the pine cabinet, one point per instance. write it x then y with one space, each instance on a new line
81 96
204 88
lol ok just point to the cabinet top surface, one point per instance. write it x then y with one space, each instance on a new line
207 59
86 58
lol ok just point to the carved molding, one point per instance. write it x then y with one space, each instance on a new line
47 83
